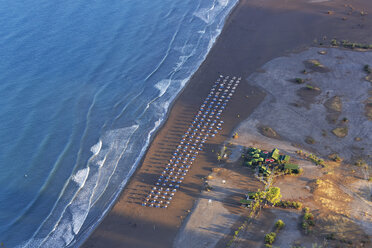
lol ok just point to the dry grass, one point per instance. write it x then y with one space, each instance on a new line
331 197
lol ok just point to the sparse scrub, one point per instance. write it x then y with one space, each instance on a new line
350 45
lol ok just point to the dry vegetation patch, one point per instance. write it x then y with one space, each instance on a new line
331 196
268 132
341 231
334 104
340 132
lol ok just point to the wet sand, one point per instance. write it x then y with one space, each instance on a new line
255 32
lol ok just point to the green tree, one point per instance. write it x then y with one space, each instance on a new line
273 195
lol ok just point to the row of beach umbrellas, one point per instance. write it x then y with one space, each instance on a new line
206 123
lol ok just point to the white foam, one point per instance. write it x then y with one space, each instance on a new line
101 162
162 86
106 154
96 148
208 15
81 176
115 144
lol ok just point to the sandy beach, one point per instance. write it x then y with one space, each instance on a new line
255 32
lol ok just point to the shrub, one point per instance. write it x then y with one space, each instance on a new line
310 140
305 225
290 204
335 157
279 224
308 216
334 42
299 80
297 205
368 69
270 238
331 236
359 162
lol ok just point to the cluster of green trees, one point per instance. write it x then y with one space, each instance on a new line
271 196
277 163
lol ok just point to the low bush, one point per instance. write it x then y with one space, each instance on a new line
308 216
270 238
368 69
335 157
279 224
290 204
299 80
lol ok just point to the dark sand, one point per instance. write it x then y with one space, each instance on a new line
255 32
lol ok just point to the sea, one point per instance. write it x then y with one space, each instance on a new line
84 86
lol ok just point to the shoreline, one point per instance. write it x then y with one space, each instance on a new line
127 221
81 242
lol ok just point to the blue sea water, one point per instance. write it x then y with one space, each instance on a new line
83 87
